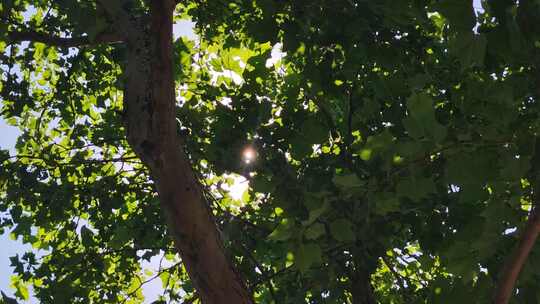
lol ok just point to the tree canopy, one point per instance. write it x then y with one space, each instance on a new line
391 150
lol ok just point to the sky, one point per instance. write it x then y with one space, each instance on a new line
8 137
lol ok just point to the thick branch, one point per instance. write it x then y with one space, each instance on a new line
361 290
150 108
513 266
64 41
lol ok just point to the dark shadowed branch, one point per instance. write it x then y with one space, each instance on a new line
514 264
53 40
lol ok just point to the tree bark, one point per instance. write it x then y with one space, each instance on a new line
361 289
513 266
150 108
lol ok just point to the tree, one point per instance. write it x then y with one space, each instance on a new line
392 150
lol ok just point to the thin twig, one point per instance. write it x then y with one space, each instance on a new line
396 275
192 299
261 269
53 40
128 159
271 276
128 296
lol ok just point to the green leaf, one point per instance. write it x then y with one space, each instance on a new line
21 290
306 256
515 168
342 230
365 154
415 188
469 48
471 169
460 14
348 181
312 132
419 80
39 51
314 231
262 184
283 231
300 146
388 122
386 206
164 277
421 121
121 237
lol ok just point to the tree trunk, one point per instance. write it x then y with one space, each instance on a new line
150 108
361 289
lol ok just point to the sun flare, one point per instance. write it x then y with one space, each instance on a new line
249 154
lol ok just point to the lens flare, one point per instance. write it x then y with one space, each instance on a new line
249 154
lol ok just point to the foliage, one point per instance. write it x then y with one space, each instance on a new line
395 144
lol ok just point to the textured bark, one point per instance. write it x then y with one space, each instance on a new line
512 268
361 289
150 115
515 262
